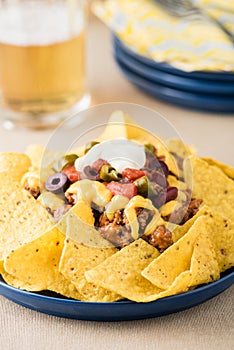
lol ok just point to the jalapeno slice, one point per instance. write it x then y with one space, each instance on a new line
149 148
142 185
145 188
63 162
89 145
108 174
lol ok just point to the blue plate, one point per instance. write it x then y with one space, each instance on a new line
172 80
205 102
165 67
116 311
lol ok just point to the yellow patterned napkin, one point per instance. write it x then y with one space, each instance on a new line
185 44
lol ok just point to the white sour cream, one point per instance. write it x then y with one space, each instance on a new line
120 153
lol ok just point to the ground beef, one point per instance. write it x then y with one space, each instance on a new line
192 209
119 236
35 191
118 230
72 198
179 160
185 212
161 238
143 216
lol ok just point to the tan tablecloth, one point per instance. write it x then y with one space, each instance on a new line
209 326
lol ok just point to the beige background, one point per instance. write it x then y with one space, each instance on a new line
209 326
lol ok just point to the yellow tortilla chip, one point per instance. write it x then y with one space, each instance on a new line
212 185
15 164
174 260
1 267
37 263
81 232
76 260
178 147
35 153
204 265
8 183
221 234
85 250
180 230
180 285
121 272
22 220
228 170
15 282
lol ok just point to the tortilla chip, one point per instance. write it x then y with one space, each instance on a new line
180 230
121 272
36 263
180 285
1 267
76 260
8 183
15 282
22 220
221 234
204 265
15 164
228 170
35 153
84 249
178 147
174 260
212 185
116 126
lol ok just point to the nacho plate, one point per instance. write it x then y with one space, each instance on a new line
90 309
56 305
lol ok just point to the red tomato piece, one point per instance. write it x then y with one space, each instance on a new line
72 174
128 190
132 174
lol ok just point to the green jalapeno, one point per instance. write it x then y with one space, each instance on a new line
89 145
63 162
149 148
142 185
108 173
145 188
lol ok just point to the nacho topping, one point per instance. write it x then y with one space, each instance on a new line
126 201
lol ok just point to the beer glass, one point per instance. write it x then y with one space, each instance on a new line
42 61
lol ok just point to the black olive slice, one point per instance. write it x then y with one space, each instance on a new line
57 183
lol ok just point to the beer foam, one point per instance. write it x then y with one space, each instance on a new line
33 24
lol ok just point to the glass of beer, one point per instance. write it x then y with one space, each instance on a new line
42 61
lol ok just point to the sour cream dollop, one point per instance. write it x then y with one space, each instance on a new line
120 153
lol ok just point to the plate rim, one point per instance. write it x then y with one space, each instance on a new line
36 295
173 81
191 100
164 66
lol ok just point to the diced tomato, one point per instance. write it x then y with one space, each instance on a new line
71 172
132 174
128 190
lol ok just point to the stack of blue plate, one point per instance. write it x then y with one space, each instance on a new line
209 91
